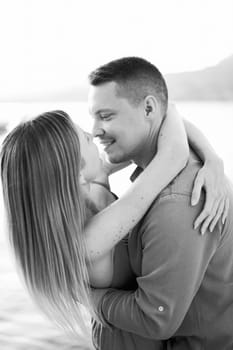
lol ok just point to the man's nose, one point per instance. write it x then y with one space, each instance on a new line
97 129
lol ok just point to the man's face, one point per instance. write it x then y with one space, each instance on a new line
120 126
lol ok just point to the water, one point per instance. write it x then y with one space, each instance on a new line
21 324
215 119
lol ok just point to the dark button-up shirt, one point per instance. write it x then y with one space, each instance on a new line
184 280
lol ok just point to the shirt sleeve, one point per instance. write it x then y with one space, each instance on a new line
174 261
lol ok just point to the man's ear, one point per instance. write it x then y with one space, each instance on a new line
150 106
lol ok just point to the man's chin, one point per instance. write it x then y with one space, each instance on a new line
115 159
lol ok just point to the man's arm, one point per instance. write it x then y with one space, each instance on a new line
174 260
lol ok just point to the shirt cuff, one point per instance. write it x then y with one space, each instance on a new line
100 311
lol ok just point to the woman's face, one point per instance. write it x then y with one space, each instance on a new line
91 163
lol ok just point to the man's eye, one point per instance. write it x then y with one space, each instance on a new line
106 116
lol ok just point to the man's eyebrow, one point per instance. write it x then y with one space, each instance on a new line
104 110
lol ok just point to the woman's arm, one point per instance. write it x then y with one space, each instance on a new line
200 144
108 169
211 178
109 226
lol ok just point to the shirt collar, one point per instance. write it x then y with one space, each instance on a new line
136 173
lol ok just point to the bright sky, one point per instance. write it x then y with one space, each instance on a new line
46 44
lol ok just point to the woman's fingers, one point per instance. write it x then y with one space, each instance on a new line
218 214
210 203
216 205
209 218
198 184
226 209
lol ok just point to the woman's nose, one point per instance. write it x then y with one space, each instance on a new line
90 136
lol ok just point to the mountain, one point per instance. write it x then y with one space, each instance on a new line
213 83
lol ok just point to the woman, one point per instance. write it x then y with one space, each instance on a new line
60 242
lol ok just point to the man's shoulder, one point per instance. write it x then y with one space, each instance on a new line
174 200
183 183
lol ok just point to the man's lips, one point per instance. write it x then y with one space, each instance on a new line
106 143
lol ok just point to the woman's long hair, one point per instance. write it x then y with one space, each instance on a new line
40 165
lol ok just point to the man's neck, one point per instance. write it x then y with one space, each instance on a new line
148 151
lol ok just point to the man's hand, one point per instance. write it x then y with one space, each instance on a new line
212 179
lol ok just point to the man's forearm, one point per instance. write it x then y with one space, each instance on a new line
120 309
170 274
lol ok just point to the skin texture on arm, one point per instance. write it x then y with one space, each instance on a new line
109 226
211 178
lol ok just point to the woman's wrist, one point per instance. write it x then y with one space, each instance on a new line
214 160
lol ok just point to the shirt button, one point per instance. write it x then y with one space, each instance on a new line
161 308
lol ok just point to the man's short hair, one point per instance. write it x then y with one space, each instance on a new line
136 79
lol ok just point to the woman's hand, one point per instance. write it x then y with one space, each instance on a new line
212 179
110 168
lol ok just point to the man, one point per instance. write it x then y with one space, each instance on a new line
184 293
